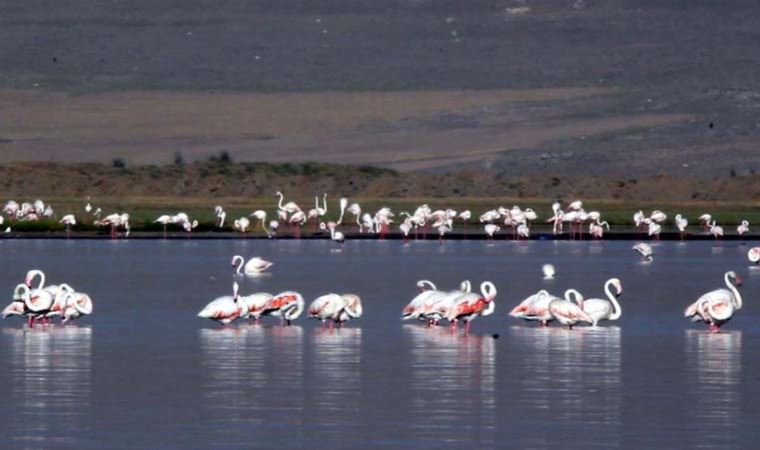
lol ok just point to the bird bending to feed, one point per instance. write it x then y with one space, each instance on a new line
336 236
754 255
69 220
225 309
601 309
254 266
645 250
548 271
286 305
469 306
568 313
717 307
255 304
336 309
743 228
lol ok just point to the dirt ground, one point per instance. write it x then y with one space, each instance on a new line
337 127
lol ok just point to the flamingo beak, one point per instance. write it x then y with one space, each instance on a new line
738 281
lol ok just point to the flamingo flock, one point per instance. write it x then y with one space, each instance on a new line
514 222
44 303
287 305
433 306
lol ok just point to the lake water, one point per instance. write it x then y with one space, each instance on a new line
144 372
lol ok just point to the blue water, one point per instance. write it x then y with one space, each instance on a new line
144 372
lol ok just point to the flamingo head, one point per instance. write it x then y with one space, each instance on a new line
735 277
618 286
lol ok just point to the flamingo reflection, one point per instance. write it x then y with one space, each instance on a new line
51 380
450 374
714 365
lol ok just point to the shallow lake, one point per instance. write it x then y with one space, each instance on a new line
144 372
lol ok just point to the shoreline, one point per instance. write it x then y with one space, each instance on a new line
394 236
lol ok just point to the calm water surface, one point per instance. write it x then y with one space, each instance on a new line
144 372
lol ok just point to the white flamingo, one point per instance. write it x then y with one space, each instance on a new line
601 309
69 220
336 309
253 267
225 309
754 255
681 223
717 307
548 271
743 228
645 250
568 313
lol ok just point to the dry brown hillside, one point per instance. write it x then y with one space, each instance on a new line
226 179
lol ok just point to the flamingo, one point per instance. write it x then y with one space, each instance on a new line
596 230
253 267
717 307
557 218
490 229
287 305
189 227
523 231
356 210
442 230
290 207
654 230
548 271
255 305
439 306
534 308
242 224
743 228
600 309
76 304
754 255
225 309
273 226
705 219
296 221
568 313
336 236
470 306
18 306
716 231
336 308
638 219
69 220
681 223
115 221
405 227
658 216
164 220
416 308
645 250
220 215
11 209
465 216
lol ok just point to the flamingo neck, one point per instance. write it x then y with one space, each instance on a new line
735 291
279 205
342 211
239 263
616 310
